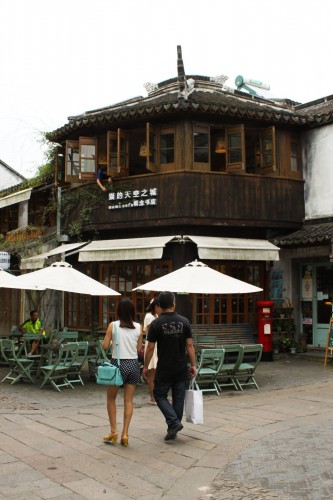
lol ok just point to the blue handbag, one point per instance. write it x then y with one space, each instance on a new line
108 374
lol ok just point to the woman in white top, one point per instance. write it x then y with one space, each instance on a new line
153 310
129 337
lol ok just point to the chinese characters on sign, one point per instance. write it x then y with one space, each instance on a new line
135 198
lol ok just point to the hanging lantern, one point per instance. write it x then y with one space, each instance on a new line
143 150
220 145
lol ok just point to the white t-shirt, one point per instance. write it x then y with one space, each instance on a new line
127 341
147 320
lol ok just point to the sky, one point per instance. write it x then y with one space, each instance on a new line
60 58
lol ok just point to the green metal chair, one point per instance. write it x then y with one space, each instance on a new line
209 365
232 359
56 373
244 375
20 366
74 372
97 357
66 336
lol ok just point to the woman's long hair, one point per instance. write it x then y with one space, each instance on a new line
126 313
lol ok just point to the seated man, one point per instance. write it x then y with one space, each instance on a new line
33 326
102 176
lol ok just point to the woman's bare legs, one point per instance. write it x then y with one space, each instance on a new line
111 395
129 390
151 376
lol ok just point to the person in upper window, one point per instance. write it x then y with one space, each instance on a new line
102 176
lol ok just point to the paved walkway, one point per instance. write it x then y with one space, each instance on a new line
272 443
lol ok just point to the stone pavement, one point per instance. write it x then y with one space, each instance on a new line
272 443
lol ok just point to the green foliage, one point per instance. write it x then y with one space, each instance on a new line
77 207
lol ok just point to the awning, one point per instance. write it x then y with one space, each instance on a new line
210 247
14 198
125 249
37 261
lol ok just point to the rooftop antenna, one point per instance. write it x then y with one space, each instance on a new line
242 83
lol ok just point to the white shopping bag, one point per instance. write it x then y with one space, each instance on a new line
194 406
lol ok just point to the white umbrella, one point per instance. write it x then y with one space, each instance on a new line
6 278
63 277
197 277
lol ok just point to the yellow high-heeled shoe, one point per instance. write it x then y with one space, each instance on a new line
124 441
111 438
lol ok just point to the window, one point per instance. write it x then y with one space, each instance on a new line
235 149
117 152
239 308
88 149
81 159
201 144
295 155
167 146
267 151
72 159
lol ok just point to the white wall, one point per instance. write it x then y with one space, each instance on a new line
318 172
9 177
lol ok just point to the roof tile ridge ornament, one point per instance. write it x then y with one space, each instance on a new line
150 87
221 79
185 87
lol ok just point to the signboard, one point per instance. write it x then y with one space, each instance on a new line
4 260
135 198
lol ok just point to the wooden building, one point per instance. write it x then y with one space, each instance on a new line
199 171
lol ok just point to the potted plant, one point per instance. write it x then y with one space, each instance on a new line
284 343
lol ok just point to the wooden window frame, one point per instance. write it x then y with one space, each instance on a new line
122 162
151 142
69 177
88 141
161 132
294 138
201 128
235 167
266 169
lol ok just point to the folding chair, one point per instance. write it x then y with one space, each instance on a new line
56 373
66 336
232 359
20 367
244 375
98 357
74 372
209 365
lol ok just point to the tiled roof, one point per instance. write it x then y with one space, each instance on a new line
206 97
312 233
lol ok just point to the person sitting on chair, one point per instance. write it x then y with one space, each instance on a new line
102 176
33 326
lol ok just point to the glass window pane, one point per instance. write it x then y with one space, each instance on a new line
234 141
87 165
234 156
167 141
88 151
73 160
201 155
201 140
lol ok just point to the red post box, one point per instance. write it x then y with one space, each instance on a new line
265 332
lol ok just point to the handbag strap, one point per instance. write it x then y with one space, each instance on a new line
116 339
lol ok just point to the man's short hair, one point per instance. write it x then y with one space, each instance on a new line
166 300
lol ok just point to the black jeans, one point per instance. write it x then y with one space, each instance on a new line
173 412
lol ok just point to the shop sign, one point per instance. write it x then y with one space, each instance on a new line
307 289
133 198
4 260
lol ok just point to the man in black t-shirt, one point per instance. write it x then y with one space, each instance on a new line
173 335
